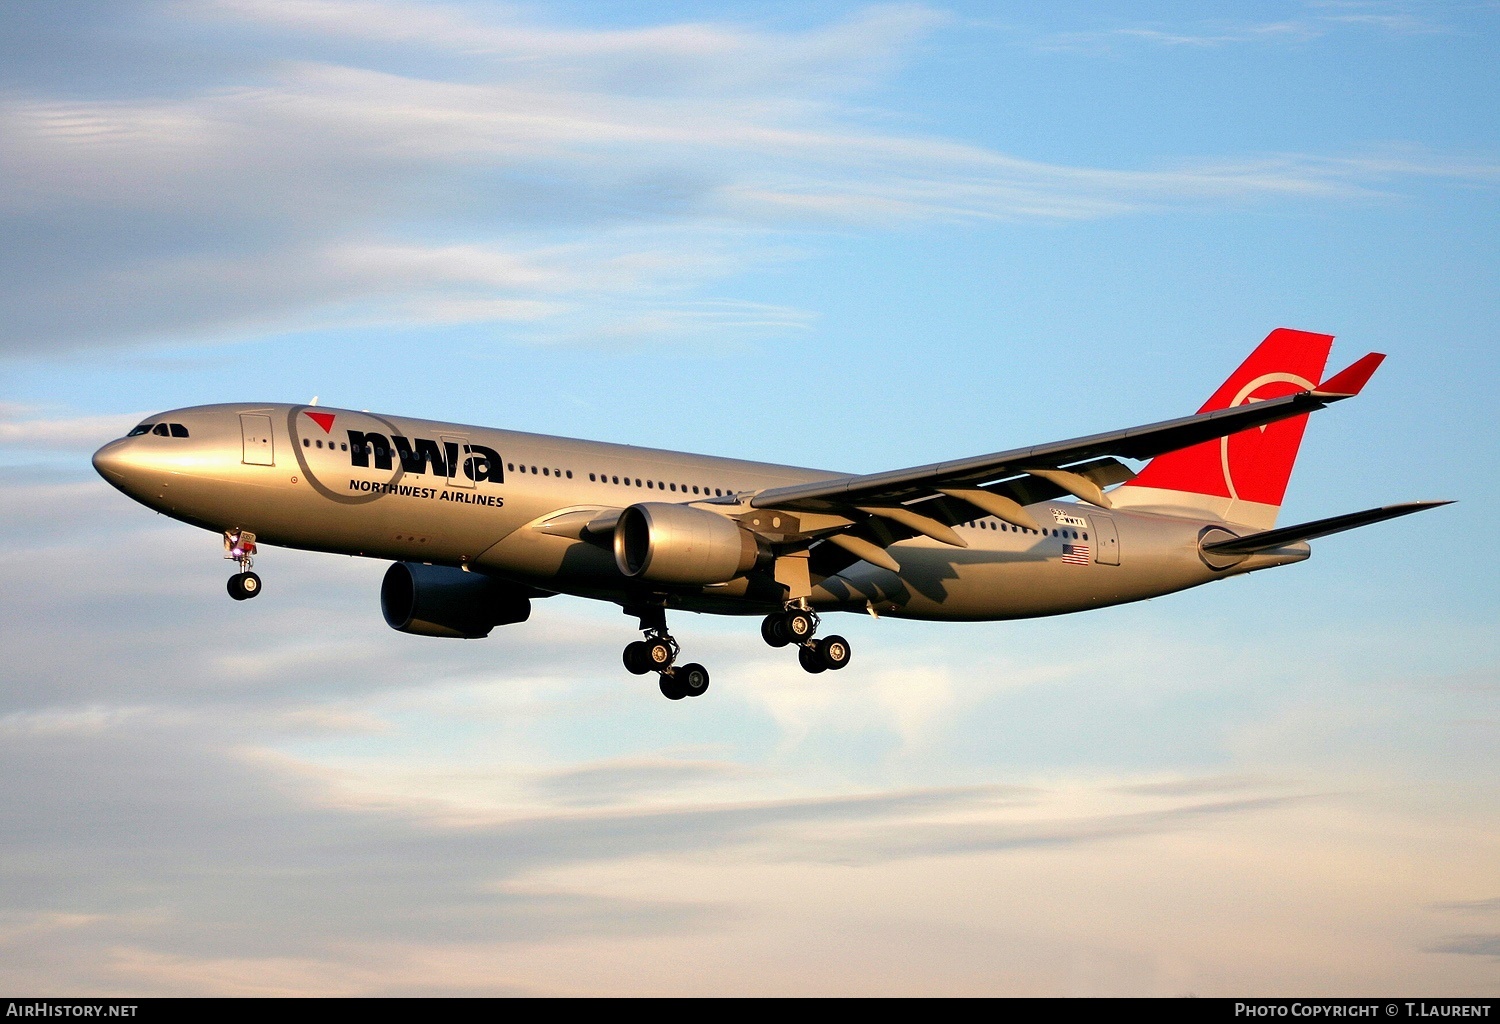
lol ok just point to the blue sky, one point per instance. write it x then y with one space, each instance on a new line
851 236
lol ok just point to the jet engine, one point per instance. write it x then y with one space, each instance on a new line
438 600
667 543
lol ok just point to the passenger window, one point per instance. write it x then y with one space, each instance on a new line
672 486
511 466
638 481
718 493
648 483
695 488
545 472
343 447
533 471
1085 536
615 479
144 428
161 429
178 430
570 474
306 443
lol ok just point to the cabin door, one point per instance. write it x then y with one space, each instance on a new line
255 432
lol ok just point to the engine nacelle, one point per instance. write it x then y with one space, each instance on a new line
438 600
680 544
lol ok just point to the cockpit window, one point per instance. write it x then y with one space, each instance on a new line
144 428
178 430
161 430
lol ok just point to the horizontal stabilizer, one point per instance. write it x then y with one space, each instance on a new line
1320 528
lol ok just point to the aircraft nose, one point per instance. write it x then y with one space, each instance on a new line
113 461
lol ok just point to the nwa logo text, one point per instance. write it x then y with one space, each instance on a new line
445 459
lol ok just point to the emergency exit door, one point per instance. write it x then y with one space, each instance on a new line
456 451
255 430
1106 539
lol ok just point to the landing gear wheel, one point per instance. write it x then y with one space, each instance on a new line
811 660
637 659
671 688
243 586
659 654
798 625
692 679
772 631
834 650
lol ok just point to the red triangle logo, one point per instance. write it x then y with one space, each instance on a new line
322 419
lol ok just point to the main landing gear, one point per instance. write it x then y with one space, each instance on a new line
797 626
658 653
239 545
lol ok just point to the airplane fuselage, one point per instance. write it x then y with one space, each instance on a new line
513 505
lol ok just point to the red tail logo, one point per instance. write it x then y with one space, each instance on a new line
1254 465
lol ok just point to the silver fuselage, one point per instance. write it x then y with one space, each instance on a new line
442 501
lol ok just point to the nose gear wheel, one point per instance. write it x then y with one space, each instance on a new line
244 585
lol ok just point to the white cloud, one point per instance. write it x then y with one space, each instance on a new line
70 434
1319 20
407 815
566 178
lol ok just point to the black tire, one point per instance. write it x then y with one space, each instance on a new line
249 584
692 679
234 588
811 660
671 688
637 662
658 655
797 626
772 633
835 652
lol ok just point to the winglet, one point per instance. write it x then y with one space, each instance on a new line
1349 382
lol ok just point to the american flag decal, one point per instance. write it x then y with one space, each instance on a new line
1075 554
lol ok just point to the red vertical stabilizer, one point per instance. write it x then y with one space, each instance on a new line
1242 477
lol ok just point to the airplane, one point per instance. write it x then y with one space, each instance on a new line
479 522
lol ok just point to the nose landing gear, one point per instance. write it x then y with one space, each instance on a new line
658 653
797 625
239 545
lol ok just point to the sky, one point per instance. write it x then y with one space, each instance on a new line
850 236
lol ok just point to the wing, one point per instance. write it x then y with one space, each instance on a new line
880 508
